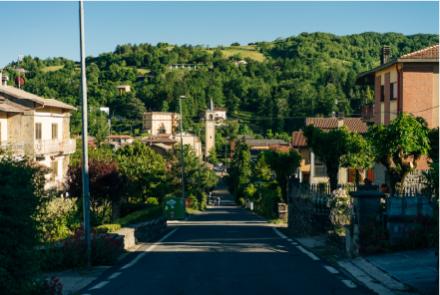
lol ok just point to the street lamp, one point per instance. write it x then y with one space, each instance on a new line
85 159
181 147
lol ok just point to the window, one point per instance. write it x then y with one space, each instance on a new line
38 131
54 170
382 93
54 131
393 91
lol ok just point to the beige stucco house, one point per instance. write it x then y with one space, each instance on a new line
38 128
314 171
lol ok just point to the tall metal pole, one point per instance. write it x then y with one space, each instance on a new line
85 158
181 147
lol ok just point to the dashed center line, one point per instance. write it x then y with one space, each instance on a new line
99 285
115 275
331 269
349 284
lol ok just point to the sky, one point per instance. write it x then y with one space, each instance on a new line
50 29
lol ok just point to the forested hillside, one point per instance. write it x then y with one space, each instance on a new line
282 82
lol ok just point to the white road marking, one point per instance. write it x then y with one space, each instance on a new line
331 269
279 233
290 240
135 260
99 286
349 284
308 253
294 243
115 275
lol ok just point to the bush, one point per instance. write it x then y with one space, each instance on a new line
203 201
71 253
21 194
192 202
340 211
106 249
241 202
107 228
151 201
58 219
140 216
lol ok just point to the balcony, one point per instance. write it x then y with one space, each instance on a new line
12 147
45 147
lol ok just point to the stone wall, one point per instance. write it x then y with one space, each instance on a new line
142 232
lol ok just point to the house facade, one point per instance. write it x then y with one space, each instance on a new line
407 84
311 169
162 132
159 123
38 128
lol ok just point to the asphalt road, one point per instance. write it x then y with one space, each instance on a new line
226 250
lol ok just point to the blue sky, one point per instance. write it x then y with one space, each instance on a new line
48 29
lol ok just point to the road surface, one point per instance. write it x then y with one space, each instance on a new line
226 250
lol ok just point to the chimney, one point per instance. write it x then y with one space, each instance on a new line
385 55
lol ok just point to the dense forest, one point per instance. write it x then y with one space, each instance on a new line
264 85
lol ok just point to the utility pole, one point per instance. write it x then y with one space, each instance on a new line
182 163
85 157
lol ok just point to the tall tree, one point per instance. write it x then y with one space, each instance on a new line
329 147
399 145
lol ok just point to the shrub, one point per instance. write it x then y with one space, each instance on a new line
203 201
151 201
107 228
192 202
140 216
340 210
58 219
241 202
21 193
106 249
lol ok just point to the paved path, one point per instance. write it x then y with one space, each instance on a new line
226 250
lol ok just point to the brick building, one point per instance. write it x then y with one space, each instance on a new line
408 84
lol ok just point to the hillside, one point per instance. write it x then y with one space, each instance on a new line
283 80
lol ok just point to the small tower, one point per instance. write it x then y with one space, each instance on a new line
209 129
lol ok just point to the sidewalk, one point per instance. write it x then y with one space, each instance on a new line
403 273
414 268
75 280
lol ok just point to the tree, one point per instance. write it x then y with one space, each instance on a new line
329 147
197 176
284 164
240 170
105 186
399 145
144 172
359 154
21 195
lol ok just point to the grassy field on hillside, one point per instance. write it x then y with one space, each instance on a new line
52 68
248 51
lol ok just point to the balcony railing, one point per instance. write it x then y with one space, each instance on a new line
13 147
44 147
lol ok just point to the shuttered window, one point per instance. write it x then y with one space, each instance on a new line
54 131
38 131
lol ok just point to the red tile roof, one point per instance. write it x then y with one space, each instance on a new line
430 52
352 124
298 139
